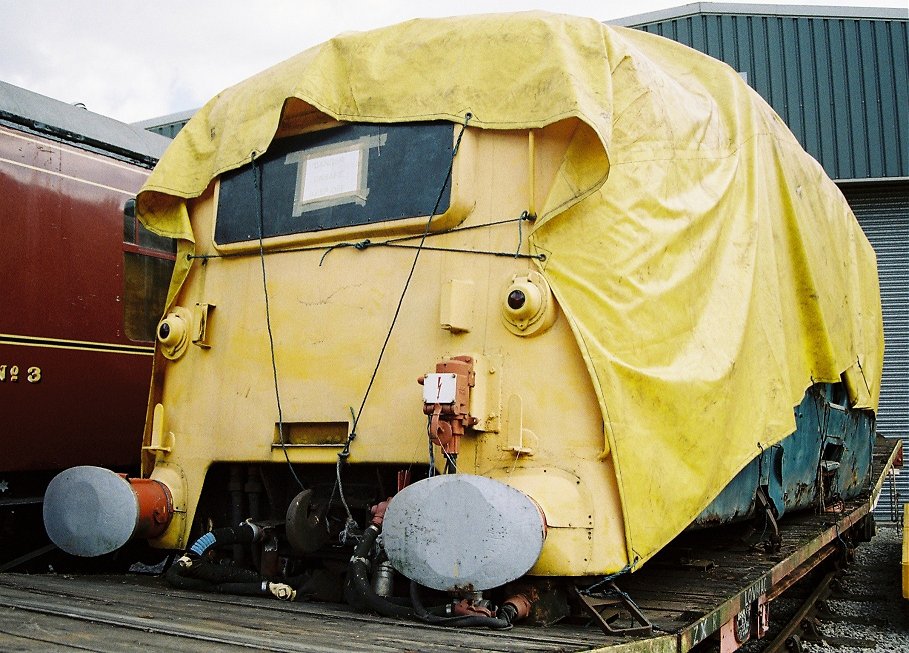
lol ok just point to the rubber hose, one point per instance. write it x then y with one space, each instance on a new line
358 572
201 571
468 621
177 578
200 574
245 533
243 589
507 612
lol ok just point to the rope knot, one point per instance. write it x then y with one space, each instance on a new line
344 454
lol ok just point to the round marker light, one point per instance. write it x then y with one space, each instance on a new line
528 307
523 301
173 332
516 299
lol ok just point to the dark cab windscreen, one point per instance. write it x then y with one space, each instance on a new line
341 177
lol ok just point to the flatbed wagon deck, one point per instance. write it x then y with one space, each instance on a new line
692 590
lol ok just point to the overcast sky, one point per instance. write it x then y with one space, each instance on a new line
136 60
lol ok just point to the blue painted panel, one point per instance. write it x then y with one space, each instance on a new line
827 457
803 452
855 462
736 501
772 477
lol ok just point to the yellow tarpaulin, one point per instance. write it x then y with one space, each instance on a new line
711 272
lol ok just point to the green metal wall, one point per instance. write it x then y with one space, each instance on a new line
840 83
170 129
168 125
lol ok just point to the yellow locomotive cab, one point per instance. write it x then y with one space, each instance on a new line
340 302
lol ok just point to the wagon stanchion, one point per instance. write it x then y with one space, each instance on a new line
787 635
609 605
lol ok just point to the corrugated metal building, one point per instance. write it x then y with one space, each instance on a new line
839 77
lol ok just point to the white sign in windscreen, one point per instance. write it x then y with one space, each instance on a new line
331 175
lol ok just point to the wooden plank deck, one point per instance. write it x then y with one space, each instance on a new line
111 613
53 612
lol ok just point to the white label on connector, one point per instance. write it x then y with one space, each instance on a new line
440 388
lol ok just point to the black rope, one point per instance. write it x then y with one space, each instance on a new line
345 452
339 487
862 371
822 431
413 267
365 244
517 250
257 172
596 588
432 451
398 242
521 218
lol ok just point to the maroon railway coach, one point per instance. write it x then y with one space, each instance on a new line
82 286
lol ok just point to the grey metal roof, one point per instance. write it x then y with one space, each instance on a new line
78 126
838 76
699 8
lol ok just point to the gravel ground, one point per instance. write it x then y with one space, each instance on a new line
865 612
